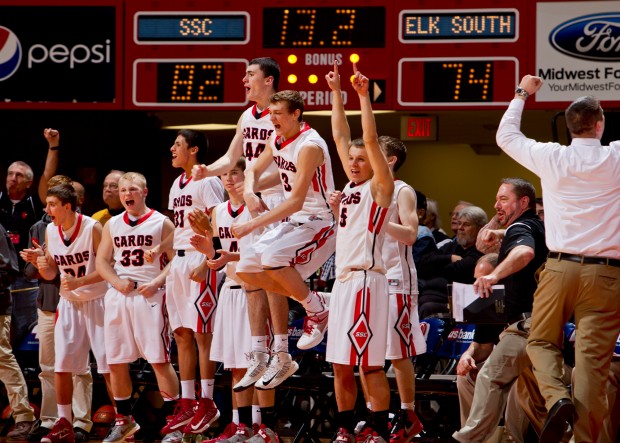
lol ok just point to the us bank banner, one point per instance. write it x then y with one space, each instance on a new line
578 50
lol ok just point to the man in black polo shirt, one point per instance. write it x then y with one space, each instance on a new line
520 235
18 212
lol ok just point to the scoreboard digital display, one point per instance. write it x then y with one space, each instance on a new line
192 28
188 55
333 28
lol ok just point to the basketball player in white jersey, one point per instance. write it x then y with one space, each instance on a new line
289 253
358 305
405 339
232 334
136 323
253 130
191 305
72 240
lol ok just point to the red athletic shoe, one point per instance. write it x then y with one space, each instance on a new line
205 414
183 414
62 432
407 426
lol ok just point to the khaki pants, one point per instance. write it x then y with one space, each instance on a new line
82 383
12 377
611 425
493 391
592 294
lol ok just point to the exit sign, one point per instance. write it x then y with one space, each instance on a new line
418 128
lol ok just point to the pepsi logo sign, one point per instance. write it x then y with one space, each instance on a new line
10 53
591 37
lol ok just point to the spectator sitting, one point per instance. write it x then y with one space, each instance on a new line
454 216
433 222
454 261
425 242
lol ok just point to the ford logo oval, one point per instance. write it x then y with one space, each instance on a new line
591 37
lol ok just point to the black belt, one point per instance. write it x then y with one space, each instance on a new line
235 287
585 260
181 252
519 317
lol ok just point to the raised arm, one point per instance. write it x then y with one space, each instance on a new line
226 161
340 126
382 183
51 161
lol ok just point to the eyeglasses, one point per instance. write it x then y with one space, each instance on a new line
110 186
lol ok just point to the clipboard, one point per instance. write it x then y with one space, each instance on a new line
490 310
468 307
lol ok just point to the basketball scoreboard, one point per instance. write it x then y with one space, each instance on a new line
190 55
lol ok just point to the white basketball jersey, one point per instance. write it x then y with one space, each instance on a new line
361 231
285 154
131 240
257 128
76 257
225 215
401 272
186 195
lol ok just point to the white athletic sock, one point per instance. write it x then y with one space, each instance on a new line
206 388
259 343
65 411
187 389
256 417
410 406
313 303
280 343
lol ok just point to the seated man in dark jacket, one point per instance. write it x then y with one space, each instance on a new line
454 261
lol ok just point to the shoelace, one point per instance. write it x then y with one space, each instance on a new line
271 369
310 322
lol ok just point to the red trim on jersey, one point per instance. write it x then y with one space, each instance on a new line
78 225
183 183
263 113
319 181
322 170
315 183
355 185
377 217
283 144
128 221
235 213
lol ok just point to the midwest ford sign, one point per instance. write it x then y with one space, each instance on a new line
578 50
